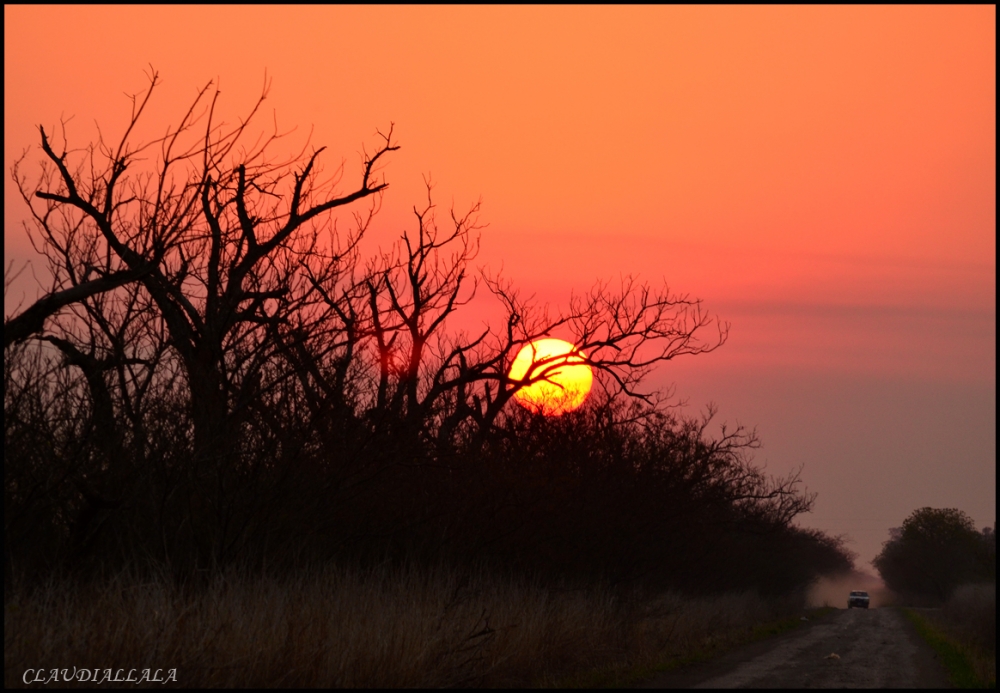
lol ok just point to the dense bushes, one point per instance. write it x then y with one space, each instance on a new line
621 491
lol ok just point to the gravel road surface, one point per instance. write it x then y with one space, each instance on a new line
872 648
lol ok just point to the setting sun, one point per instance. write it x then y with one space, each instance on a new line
560 390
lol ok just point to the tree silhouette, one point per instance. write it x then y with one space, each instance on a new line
935 551
236 383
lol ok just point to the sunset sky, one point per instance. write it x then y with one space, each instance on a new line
823 177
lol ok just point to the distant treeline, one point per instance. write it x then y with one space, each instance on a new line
216 376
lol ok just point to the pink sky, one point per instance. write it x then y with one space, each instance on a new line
824 177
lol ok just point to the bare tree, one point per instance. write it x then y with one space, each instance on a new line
622 333
446 380
411 297
212 234
217 248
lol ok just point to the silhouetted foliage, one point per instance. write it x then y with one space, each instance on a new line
215 375
935 551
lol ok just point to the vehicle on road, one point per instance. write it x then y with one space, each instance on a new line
858 598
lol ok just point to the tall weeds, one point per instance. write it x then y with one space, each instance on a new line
343 627
970 617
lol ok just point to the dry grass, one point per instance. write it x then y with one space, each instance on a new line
363 628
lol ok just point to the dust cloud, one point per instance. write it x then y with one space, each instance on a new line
833 591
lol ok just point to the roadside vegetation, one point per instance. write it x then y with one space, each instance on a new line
964 632
410 626
966 646
221 416
970 618
936 551
939 559
646 663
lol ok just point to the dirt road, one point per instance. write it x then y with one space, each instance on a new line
874 648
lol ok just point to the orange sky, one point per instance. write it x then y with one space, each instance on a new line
824 177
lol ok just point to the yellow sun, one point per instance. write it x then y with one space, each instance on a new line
563 377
